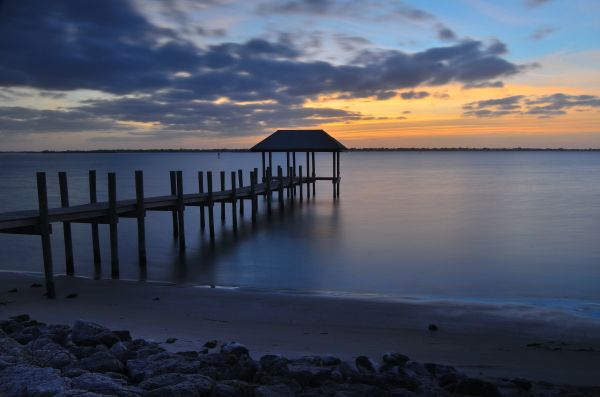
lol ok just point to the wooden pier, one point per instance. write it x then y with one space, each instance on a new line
291 185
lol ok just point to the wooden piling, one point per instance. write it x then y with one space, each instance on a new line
44 230
241 184
253 195
201 206
333 180
268 190
140 212
271 162
307 175
264 170
294 173
67 236
338 175
211 217
280 178
288 172
180 211
95 231
173 178
222 202
300 181
314 174
113 219
233 202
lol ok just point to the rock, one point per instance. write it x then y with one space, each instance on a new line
224 390
329 361
87 333
211 344
307 374
432 327
162 363
274 364
121 352
365 365
103 384
279 390
23 380
521 383
178 385
45 353
235 348
20 318
476 387
171 340
101 362
123 335
395 359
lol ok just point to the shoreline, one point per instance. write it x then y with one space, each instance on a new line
480 339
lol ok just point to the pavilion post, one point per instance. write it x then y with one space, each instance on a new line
314 173
263 166
333 180
288 174
338 174
294 174
307 175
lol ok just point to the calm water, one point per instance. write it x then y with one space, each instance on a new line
512 226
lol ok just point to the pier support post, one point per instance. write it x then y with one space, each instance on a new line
300 182
253 195
280 178
271 161
294 173
338 175
233 202
201 206
140 212
95 231
113 219
288 173
307 175
68 240
45 234
180 209
222 202
173 179
211 217
333 180
264 170
241 185
268 190
314 174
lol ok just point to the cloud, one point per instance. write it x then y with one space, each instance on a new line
445 33
318 7
414 94
484 84
541 106
542 33
535 3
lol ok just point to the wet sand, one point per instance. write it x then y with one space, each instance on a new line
481 339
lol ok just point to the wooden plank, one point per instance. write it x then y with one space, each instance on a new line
211 219
141 217
173 180
67 236
180 210
95 231
35 230
45 234
112 213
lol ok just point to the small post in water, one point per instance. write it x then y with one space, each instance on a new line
180 209
174 212
95 231
113 219
45 234
64 203
140 212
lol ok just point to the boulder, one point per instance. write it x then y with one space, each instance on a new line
103 384
279 390
24 380
235 348
101 362
87 333
365 365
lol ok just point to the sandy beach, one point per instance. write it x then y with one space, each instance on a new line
480 339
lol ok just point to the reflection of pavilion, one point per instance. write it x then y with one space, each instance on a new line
309 141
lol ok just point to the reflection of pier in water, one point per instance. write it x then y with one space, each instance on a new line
289 185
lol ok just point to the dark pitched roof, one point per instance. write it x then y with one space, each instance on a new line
298 141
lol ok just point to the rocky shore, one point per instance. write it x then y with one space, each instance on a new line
90 360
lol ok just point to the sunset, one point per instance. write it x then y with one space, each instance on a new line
310 198
220 74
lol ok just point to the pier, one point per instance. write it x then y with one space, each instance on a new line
285 184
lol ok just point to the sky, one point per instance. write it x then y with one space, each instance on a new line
112 74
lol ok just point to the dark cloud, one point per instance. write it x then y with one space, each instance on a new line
540 106
535 3
299 6
484 84
109 46
414 94
351 43
445 33
542 33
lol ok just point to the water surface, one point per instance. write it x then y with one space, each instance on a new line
516 226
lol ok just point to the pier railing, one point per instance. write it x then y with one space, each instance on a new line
39 222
